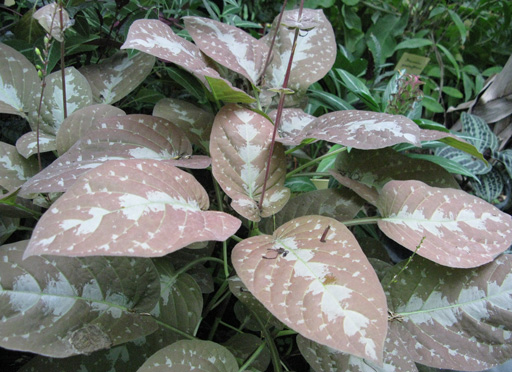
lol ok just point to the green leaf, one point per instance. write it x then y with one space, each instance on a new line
459 24
432 105
452 92
328 162
451 58
299 184
481 135
330 100
449 165
356 86
223 92
413 44
490 186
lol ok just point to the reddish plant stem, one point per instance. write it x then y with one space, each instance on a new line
280 107
62 65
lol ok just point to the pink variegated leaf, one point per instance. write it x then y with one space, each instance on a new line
229 46
368 193
447 226
79 122
132 207
78 95
27 144
19 82
313 276
314 54
50 17
194 121
118 137
239 146
293 120
15 170
117 76
364 130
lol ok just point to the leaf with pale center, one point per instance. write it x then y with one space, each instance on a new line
15 170
450 227
239 146
19 83
187 355
116 77
364 130
456 319
313 276
61 306
229 46
78 95
27 144
120 137
130 208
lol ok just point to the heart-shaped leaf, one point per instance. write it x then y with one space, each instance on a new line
194 121
27 144
130 208
60 306
116 77
186 355
120 137
229 46
456 319
15 170
447 226
239 146
76 125
313 276
19 82
315 51
78 95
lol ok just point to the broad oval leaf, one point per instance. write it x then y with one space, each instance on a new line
194 121
80 122
54 19
78 95
229 46
116 77
313 276
187 355
364 130
122 137
314 55
456 319
239 146
130 208
341 205
27 144
450 227
60 306
15 170
293 120
482 136
19 82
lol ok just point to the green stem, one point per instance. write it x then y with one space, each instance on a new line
237 238
314 161
274 353
188 266
252 358
311 174
220 292
175 330
362 221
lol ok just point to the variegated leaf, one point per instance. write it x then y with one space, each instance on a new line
293 120
341 205
364 130
117 76
471 163
120 137
447 226
15 170
13 206
187 355
130 208
80 122
54 19
157 39
490 186
456 319
26 145
315 52
239 146
370 194
483 136
375 168
60 306
194 121
229 46
325 359
313 276
19 83
78 95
